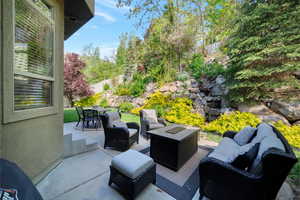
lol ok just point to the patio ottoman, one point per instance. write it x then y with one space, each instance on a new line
132 171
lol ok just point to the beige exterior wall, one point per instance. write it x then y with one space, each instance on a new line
36 144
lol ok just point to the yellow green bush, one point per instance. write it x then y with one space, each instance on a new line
291 133
89 101
178 110
234 121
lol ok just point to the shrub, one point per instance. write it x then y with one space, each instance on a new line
291 133
126 107
182 76
104 103
106 87
198 68
263 50
89 101
178 110
295 172
122 90
196 64
212 70
234 121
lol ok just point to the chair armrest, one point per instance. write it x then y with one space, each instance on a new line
224 179
229 134
119 132
133 125
162 121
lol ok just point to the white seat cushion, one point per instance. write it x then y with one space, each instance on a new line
227 151
244 135
132 132
132 163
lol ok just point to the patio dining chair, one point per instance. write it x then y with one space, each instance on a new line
79 111
90 117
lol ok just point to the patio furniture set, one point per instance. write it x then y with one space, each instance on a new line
250 164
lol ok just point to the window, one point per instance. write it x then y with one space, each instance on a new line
33 54
32 33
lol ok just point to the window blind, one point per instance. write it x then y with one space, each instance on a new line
31 93
34 42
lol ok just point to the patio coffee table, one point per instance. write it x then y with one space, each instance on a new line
174 145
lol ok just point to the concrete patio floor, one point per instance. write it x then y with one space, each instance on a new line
85 176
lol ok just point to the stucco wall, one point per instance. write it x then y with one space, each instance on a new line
36 144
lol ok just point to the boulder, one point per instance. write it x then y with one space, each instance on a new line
263 112
220 80
291 110
138 101
213 113
194 90
297 123
193 96
297 74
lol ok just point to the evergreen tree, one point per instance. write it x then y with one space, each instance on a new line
264 50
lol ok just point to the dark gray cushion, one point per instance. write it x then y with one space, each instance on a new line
244 136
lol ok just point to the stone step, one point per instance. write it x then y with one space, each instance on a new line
78 143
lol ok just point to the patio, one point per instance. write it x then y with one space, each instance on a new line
85 176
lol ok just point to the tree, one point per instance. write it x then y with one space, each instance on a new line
264 51
74 82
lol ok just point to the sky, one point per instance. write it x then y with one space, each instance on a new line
103 30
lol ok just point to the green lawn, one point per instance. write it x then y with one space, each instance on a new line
70 115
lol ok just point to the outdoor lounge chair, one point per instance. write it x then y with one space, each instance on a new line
150 121
260 181
118 134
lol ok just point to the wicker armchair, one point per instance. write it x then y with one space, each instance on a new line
150 121
120 138
222 181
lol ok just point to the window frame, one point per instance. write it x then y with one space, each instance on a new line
9 112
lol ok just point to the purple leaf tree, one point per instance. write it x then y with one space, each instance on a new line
74 82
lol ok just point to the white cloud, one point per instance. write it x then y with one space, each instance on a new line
105 16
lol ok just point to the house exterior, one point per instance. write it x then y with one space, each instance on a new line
31 79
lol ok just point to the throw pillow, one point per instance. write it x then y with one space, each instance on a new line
150 115
226 151
246 159
263 130
244 136
120 124
266 144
